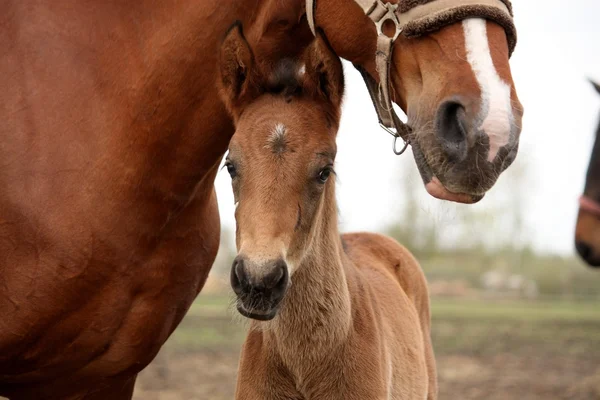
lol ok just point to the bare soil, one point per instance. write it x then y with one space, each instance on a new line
484 351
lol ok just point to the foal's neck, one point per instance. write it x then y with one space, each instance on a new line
316 313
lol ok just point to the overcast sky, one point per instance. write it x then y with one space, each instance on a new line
559 46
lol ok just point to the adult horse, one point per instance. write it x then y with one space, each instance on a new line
111 137
587 232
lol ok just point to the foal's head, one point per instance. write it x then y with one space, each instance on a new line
280 161
587 234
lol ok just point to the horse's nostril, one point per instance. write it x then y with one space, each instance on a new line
238 275
278 277
283 280
452 130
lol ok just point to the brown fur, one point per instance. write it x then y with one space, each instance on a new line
354 323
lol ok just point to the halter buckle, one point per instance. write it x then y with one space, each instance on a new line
390 15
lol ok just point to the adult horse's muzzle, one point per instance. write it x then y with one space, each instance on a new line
461 155
259 287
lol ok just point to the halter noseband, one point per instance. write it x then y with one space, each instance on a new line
414 22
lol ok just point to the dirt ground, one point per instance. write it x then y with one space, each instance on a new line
209 375
490 352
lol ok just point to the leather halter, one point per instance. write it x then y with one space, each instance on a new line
589 205
380 12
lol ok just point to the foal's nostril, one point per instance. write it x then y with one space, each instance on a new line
278 277
238 276
452 130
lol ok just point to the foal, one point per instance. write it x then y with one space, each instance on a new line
354 324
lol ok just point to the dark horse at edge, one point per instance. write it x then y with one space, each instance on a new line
587 232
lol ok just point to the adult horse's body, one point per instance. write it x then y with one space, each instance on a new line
587 233
110 140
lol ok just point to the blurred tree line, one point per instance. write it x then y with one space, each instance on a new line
480 243
478 246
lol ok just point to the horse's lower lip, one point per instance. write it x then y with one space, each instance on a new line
434 186
259 316
436 189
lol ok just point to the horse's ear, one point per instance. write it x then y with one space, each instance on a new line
236 68
324 73
596 85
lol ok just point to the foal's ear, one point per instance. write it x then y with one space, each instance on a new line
596 85
236 64
324 73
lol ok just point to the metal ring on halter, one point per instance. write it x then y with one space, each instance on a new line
396 136
406 143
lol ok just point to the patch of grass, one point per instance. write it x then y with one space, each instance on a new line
207 332
459 326
210 304
516 310
556 328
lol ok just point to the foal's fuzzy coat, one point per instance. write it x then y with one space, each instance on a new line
355 323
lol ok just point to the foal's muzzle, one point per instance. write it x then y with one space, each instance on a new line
259 288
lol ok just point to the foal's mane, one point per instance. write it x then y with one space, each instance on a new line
316 75
289 80
285 79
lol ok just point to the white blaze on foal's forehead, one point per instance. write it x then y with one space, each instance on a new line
495 93
277 140
278 131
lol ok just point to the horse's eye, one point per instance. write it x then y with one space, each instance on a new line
231 169
324 174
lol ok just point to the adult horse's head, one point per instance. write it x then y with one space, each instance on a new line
449 71
280 159
587 233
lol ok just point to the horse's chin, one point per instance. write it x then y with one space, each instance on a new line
436 189
256 314
434 185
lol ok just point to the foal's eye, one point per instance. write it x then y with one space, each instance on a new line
324 174
231 169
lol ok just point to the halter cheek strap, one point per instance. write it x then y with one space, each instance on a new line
379 12
416 21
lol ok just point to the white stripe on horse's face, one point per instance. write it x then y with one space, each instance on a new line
495 93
